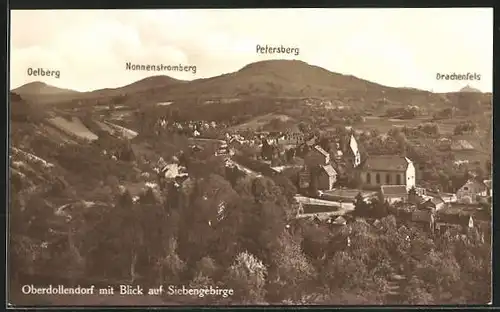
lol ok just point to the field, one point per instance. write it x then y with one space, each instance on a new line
74 128
57 135
383 124
104 127
129 134
262 121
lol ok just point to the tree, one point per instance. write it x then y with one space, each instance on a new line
170 267
313 184
465 127
247 276
412 191
346 272
415 293
316 241
207 267
291 272
361 208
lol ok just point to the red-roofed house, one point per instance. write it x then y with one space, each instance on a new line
388 170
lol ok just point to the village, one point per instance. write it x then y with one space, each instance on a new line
356 172
335 183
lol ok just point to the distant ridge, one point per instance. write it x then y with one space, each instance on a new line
264 79
148 83
468 88
41 88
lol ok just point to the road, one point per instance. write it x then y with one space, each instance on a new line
207 140
343 207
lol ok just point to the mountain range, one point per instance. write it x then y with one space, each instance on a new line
274 78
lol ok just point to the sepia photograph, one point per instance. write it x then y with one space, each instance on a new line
250 157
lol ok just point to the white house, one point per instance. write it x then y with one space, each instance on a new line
388 170
471 190
394 193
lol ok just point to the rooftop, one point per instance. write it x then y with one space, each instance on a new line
461 145
481 184
387 163
421 216
394 190
329 170
436 200
453 218
339 221
314 208
487 183
321 150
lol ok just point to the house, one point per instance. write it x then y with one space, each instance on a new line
317 157
269 150
424 218
459 222
223 150
434 204
196 148
448 197
311 142
443 144
394 193
291 137
488 186
461 145
388 170
327 177
339 221
324 177
472 191
317 211
353 152
337 152
304 177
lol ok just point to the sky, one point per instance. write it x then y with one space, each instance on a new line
393 47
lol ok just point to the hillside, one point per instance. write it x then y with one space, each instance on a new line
24 110
290 79
147 84
41 88
469 89
44 93
265 79
277 78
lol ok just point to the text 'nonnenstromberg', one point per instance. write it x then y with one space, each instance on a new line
160 67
